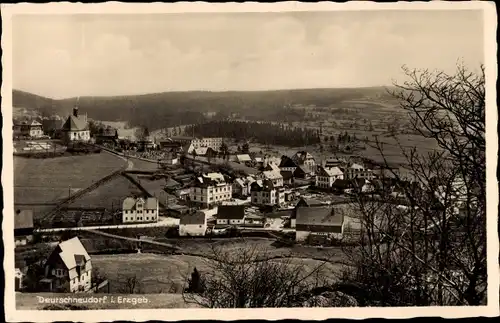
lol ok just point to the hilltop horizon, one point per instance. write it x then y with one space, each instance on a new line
204 91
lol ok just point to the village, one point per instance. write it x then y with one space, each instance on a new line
200 188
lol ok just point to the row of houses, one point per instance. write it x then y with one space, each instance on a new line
74 129
309 219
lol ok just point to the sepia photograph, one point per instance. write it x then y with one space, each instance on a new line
287 157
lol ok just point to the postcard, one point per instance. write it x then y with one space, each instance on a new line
309 160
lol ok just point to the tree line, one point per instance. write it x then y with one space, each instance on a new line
261 132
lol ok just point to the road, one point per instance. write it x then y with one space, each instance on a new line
132 239
164 222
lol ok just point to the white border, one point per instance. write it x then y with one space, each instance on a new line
490 23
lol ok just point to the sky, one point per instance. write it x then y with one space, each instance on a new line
62 56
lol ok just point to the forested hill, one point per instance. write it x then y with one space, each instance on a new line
173 108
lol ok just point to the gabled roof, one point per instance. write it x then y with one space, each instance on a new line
75 124
70 251
149 203
23 219
302 156
172 183
231 212
243 158
287 162
193 218
320 216
327 171
272 174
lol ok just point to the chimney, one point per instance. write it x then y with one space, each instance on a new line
75 111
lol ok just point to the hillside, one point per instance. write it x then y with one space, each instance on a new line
174 108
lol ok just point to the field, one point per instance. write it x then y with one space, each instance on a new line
110 195
167 274
42 181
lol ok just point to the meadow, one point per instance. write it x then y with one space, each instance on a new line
42 181
167 273
109 195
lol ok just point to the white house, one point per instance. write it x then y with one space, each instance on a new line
210 189
194 224
273 175
264 192
326 176
140 210
68 268
230 215
305 159
76 128
317 221
358 171
214 143
241 186
243 158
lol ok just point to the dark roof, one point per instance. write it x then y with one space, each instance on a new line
286 174
75 124
266 185
231 212
287 162
278 214
320 216
193 218
23 219
342 183
172 183
308 202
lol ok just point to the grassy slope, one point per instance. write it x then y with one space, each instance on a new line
48 180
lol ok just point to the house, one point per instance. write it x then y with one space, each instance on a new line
107 134
170 145
287 177
326 176
241 186
210 189
68 268
273 175
32 128
341 185
242 159
265 193
287 164
195 143
230 215
333 162
76 128
140 210
254 220
303 202
23 227
193 224
302 172
327 221
358 171
306 160
183 193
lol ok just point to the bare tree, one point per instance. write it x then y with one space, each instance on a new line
243 277
432 251
130 284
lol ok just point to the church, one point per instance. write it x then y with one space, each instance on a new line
76 128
